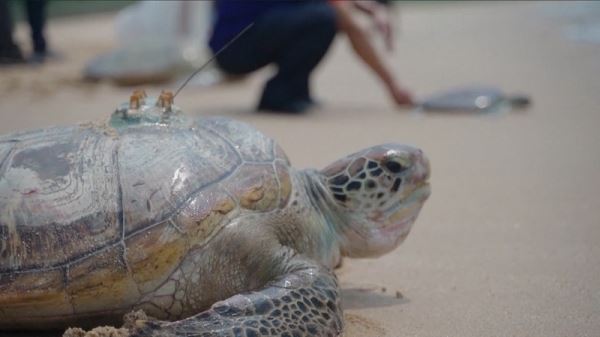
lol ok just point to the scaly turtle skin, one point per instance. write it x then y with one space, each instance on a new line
198 221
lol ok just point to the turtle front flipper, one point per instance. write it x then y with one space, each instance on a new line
303 302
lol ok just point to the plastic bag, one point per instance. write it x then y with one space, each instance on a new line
158 40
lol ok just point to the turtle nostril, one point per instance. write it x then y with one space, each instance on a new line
370 184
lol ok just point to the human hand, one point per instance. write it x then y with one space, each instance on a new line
401 96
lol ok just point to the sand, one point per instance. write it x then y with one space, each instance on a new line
507 244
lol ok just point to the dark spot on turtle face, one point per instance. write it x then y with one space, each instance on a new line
371 164
396 185
363 175
370 184
263 331
377 172
340 197
353 186
394 166
276 312
380 195
312 329
339 180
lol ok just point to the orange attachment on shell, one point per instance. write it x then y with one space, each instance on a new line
137 98
165 100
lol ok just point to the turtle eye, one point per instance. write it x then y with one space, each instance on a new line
394 165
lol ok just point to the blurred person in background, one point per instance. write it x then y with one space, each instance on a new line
295 35
10 53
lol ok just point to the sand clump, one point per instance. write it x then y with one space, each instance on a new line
101 331
129 323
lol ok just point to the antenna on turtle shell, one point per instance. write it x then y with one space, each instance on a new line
213 57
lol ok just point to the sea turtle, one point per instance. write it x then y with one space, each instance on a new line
473 98
200 222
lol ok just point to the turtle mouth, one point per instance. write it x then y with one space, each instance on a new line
401 217
420 194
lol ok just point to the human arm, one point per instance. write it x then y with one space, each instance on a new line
380 16
365 49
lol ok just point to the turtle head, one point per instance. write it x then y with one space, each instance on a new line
378 193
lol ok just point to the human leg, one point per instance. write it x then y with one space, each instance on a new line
295 38
313 31
9 51
36 15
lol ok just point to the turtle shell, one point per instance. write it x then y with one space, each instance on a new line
92 219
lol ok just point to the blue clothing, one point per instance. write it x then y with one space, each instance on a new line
233 16
293 35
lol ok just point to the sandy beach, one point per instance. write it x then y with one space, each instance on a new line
507 245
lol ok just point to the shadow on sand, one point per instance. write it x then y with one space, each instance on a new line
360 298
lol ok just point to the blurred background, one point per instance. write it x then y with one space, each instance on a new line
507 244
